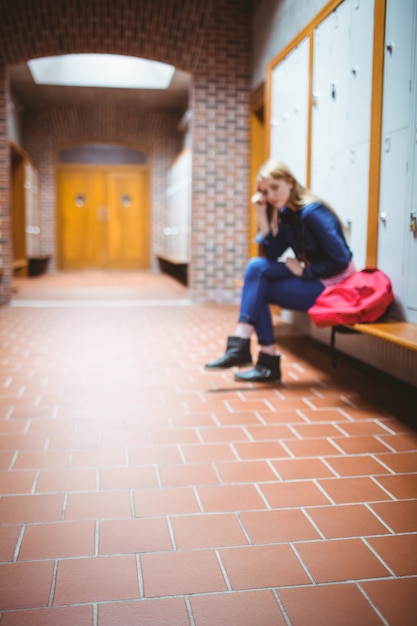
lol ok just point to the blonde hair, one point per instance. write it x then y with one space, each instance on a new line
300 195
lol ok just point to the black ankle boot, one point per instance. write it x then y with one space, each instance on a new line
237 353
266 370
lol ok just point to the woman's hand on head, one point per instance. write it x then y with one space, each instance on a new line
295 266
259 204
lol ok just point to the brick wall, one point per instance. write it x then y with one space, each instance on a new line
209 39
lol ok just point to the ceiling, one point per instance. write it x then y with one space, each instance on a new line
27 94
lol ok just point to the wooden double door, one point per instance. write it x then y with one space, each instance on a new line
103 217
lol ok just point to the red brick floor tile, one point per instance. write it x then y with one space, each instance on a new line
133 535
347 520
293 469
316 430
128 477
96 579
60 425
339 560
230 498
223 434
98 458
401 486
165 501
167 436
18 425
396 599
324 415
33 508
25 585
243 609
245 472
360 445
270 432
277 526
284 416
400 462
179 573
293 494
150 455
125 438
207 531
167 612
373 427
63 480
351 490
208 452
399 552
46 459
401 443
263 567
242 418
98 505
191 474
400 516
310 447
17 481
357 465
8 541
22 441
64 616
58 540
328 605
260 450
73 440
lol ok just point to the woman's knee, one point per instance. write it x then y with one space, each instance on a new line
256 266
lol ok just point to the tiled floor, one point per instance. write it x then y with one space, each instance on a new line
137 488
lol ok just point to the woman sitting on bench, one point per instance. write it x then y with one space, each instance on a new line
289 216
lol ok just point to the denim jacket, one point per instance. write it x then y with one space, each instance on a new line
315 235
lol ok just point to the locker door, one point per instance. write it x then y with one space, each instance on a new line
338 89
399 42
360 71
356 215
412 243
322 72
289 110
393 198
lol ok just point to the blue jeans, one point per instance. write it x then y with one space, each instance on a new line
271 282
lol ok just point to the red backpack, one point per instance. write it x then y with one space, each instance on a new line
362 297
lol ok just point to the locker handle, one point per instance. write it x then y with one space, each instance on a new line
413 224
390 46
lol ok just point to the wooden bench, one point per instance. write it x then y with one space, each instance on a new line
402 334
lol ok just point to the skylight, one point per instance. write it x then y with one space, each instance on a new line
101 70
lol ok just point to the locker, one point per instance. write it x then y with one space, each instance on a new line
360 71
289 110
397 244
393 197
399 42
356 216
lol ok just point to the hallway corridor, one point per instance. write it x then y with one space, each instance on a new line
139 489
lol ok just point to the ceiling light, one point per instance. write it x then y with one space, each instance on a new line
101 70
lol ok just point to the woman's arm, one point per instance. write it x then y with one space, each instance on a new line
269 237
327 230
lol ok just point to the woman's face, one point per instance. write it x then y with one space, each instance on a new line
276 191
